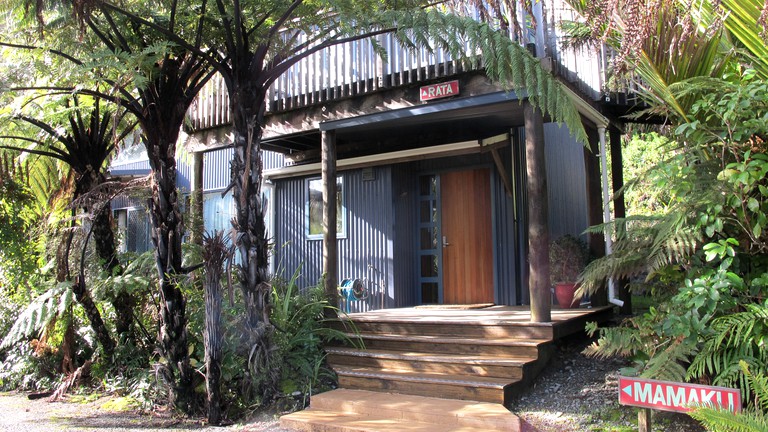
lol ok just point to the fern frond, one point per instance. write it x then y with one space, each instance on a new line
504 60
667 364
736 338
39 313
726 421
642 245
752 420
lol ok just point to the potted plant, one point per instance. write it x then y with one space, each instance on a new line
568 256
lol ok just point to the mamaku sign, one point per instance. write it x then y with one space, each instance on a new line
675 396
437 91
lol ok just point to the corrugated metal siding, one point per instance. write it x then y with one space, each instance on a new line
272 160
216 165
216 169
292 249
505 247
130 169
566 182
521 213
366 250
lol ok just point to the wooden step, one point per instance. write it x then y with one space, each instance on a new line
360 410
492 329
510 367
451 345
462 387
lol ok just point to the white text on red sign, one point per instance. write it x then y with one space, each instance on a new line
674 396
437 91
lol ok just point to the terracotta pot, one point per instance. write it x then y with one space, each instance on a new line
564 294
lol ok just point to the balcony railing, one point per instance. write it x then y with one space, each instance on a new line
355 69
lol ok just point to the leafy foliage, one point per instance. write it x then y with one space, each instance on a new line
751 420
301 331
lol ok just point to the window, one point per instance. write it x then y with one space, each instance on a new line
218 212
133 230
315 209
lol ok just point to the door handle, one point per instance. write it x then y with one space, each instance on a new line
445 242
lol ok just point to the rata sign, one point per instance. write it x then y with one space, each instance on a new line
437 91
675 396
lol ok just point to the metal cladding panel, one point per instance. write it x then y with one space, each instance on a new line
566 182
272 160
138 168
366 250
292 248
184 173
218 169
365 246
505 240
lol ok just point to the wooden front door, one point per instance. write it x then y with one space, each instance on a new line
467 251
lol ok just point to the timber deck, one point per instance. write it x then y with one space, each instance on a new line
447 358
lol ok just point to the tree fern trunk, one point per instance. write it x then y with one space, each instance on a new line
167 231
251 240
214 253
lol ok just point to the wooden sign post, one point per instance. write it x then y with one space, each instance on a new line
673 396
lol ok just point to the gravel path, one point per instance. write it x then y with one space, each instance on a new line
578 393
19 414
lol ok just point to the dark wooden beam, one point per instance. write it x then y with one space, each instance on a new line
596 241
538 217
330 254
619 208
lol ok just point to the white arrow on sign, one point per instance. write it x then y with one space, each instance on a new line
628 390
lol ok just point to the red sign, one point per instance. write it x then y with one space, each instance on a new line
437 91
674 396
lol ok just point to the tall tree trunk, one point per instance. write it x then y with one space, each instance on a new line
538 219
167 231
251 241
106 250
214 254
83 296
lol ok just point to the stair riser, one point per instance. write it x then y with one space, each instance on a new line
510 372
423 389
451 348
449 330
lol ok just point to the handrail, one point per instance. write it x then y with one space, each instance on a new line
354 68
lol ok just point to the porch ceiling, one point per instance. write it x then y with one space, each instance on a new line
429 124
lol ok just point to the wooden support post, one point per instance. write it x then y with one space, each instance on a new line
644 420
619 208
538 217
596 241
330 257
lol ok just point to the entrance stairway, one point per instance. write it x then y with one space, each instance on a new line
442 358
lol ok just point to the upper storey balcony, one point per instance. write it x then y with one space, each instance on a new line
355 69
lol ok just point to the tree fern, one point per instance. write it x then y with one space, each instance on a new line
504 60
39 313
667 363
753 419
642 246
736 338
